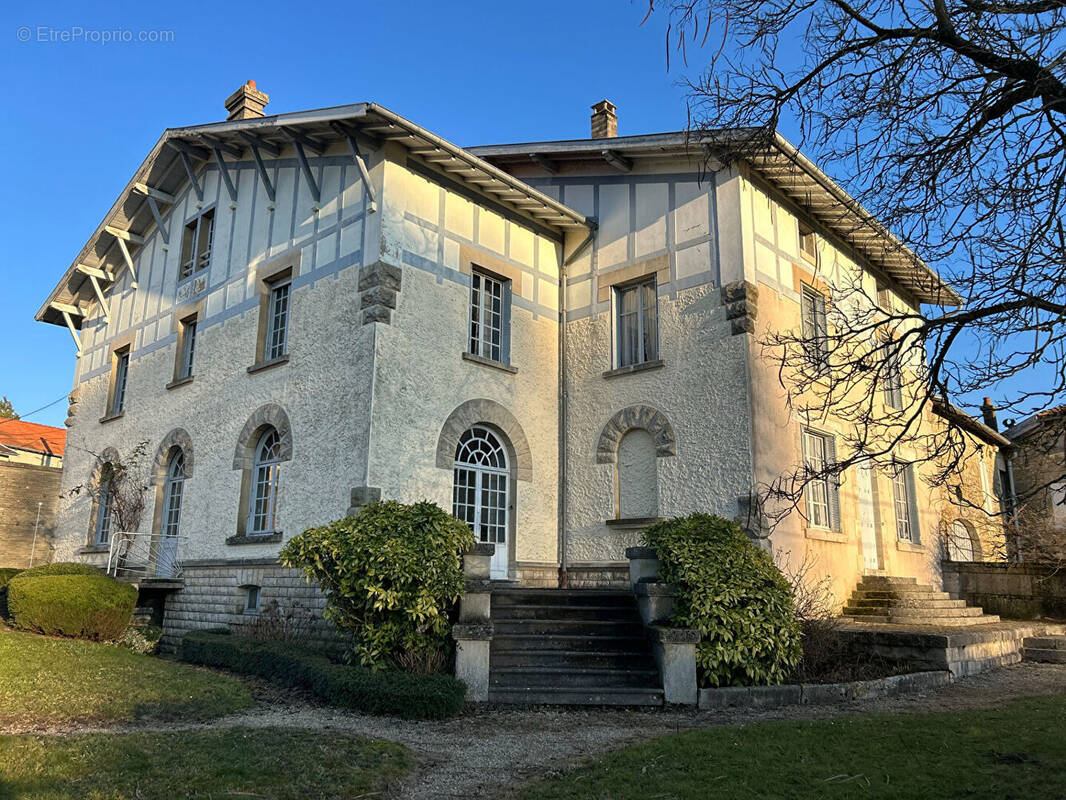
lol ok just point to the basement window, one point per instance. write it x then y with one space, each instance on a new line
251 599
196 244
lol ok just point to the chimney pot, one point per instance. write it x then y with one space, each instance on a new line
246 103
989 412
604 120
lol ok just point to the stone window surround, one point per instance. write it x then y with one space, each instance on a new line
177 439
123 344
191 312
268 415
636 417
472 259
108 456
287 267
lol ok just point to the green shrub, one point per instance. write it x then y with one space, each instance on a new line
83 606
391 575
6 574
61 568
389 692
732 593
143 639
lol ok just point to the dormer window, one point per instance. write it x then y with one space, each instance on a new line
196 244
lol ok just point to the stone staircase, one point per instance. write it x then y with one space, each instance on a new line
904 601
570 647
1048 649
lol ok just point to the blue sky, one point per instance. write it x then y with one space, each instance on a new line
78 117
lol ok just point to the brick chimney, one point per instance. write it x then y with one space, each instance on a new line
989 412
604 120
246 103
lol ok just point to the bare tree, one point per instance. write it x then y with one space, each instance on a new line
944 118
122 483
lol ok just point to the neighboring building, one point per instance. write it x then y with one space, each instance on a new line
558 341
31 458
1038 463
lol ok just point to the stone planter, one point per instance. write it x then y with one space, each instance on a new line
643 564
675 653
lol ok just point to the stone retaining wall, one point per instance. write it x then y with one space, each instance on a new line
214 595
1014 591
820 693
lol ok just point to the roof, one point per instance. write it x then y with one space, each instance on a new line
780 164
20 435
970 424
1032 423
163 175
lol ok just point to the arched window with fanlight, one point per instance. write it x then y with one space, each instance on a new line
104 508
265 473
481 491
170 522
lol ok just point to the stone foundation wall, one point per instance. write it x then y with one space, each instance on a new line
215 595
537 576
1014 591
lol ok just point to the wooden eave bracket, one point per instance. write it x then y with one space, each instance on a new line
349 135
122 237
298 143
69 311
255 144
154 197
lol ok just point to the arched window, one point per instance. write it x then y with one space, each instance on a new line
172 493
638 480
104 507
264 495
962 544
481 490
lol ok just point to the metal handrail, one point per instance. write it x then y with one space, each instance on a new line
134 554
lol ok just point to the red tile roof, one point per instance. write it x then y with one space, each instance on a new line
33 437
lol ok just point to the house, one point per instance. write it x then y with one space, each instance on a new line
31 458
1038 466
558 341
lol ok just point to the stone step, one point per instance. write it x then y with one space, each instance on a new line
916 596
568 627
605 643
572 659
886 580
563 612
570 678
921 612
567 597
927 621
1046 642
899 588
881 602
1047 655
589 696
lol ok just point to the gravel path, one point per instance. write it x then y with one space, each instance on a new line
491 753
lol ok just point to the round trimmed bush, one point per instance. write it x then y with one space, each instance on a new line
391 575
6 574
734 595
61 568
82 606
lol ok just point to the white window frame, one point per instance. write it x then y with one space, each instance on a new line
173 495
104 516
279 307
265 480
489 327
483 471
821 495
122 376
189 329
905 502
196 244
644 316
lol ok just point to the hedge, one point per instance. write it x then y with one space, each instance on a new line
61 568
83 606
6 574
390 692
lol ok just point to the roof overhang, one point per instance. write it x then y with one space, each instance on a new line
969 424
778 163
172 163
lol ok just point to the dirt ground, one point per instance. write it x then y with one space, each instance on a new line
492 752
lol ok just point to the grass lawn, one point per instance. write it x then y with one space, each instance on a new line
1017 750
271 763
47 681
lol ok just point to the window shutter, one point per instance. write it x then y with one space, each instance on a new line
833 483
912 504
505 324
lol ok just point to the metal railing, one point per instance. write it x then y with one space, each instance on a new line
133 555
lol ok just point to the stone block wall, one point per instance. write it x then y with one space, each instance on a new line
215 594
22 486
1014 591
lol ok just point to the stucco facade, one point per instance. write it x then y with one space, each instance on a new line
383 229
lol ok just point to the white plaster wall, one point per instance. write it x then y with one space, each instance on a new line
325 387
422 377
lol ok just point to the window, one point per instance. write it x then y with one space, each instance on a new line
808 244
186 348
277 331
814 328
119 380
822 493
481 491
251 599
884 296
638 482
172 493
905 502
893 377
489 316
264 495
196 244
638 324
102 534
